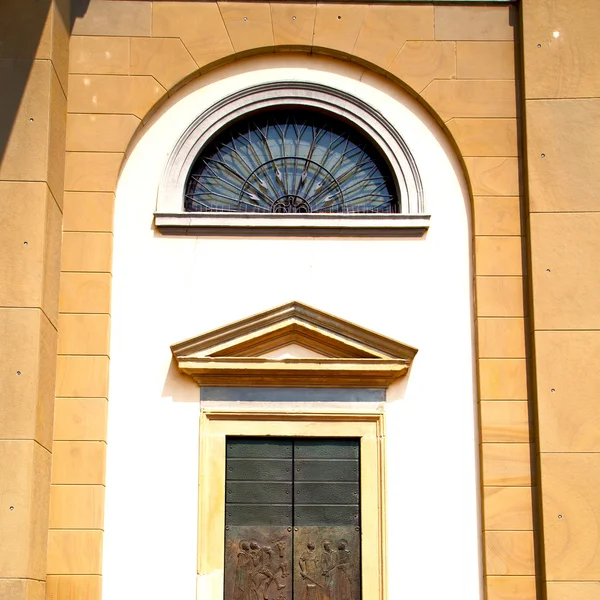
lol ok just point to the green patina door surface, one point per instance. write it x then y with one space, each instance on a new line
292 519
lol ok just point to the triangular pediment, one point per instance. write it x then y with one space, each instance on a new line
291 342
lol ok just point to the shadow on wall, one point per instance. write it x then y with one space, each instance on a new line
22 25
179 387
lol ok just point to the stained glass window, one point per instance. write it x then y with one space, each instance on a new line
290 161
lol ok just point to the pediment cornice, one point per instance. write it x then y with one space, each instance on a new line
342 354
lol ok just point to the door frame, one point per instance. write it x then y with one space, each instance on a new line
217 424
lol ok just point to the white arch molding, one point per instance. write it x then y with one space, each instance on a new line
411 219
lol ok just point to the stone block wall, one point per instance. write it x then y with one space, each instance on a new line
33 90
562 106
125 57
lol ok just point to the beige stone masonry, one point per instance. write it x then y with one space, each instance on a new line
29 368
507 465
511 588
387 28
123 18
199 25
293 24
25 156
493 176
83 334
565 370
22 589
487 23
30 247
92 171
506 422
248 25
562 145
85 293
497 215
165 59
80 419
509 553
337 26
73 552
77 507
459 58
88 211
571 515
502 379
565 65
498 255
562 87
33 85
485 60
499 297
85 251
113 94
78 463
508 509
501 337
419 63
573 590
64 587
82 376
26 465
471 98
565 275
100 133
485 137
99 55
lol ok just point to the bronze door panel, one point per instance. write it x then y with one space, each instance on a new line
292 519
326 563
258 563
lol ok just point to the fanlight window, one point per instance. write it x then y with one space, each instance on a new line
290 161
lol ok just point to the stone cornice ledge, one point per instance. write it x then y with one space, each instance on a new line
245 224
299 372
342 354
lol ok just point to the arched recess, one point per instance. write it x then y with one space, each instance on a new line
166 288
434 103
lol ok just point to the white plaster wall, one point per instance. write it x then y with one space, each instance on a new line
418 291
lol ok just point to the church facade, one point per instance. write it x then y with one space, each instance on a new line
298 300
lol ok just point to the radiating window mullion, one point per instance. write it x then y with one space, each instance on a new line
290 161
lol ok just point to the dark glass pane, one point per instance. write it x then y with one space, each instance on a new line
243 394
290 161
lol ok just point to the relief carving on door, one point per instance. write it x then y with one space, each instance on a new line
328 563
261 561
325 565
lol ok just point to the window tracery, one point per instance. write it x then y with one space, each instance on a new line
293 161
376 190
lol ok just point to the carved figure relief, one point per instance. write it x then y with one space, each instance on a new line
329 566
261 565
